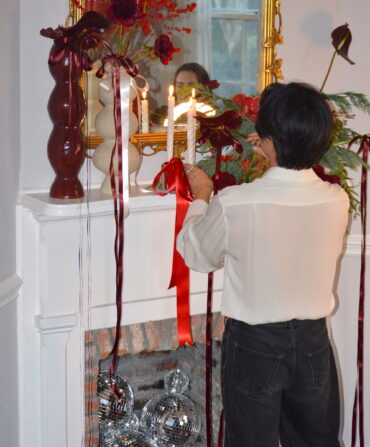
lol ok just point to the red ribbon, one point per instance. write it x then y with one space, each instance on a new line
120 61
358 405
209 428
177 180
118 203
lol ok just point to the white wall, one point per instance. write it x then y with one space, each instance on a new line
9 177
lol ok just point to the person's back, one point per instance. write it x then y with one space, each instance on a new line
279 239
284 234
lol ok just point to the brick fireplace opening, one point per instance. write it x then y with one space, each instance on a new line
147 352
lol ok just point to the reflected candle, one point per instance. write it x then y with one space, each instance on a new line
191 128
144 114
170 126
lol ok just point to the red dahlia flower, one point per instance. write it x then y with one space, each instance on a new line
164 49
124 12
249 104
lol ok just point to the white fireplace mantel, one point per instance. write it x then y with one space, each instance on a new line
68 271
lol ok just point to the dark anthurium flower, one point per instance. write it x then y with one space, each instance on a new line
341 39
216 130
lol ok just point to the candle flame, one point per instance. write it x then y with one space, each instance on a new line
171 90
144 94
193 93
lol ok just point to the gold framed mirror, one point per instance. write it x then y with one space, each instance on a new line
263 17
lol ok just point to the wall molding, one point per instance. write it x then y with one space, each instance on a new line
56 324
9 289
352 246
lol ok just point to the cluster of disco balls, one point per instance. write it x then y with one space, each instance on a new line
168 419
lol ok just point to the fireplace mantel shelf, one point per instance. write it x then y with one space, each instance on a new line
44 208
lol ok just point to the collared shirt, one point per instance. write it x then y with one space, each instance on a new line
278 239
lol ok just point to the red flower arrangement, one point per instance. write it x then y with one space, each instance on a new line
137 22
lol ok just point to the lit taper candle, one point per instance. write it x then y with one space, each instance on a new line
144 114
191 128
170 126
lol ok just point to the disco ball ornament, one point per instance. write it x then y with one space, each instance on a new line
111 430
171 418
114 405
176 381
134 438
128 422
108 435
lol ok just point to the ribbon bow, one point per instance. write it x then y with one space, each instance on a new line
358 405
118 61
176 179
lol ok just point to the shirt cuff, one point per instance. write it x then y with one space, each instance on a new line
197 208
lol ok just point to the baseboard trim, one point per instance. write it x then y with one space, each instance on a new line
9 289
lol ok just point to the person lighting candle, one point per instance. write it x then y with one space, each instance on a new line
279 239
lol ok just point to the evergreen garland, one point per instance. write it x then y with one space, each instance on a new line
336 160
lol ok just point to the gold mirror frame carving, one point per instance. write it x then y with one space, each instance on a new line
270 66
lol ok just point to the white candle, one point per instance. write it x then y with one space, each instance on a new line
170 126
144 114
191 129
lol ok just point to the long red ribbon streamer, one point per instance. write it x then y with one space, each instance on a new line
358 405
118 201
177 180
209 428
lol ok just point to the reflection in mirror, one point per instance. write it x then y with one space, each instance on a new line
234 40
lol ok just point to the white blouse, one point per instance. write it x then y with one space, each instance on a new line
278 238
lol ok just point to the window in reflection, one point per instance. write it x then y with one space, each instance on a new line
235 34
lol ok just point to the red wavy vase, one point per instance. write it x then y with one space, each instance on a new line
66 107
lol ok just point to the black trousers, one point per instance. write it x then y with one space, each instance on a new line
279 382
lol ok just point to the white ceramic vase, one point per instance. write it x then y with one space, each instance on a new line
105 127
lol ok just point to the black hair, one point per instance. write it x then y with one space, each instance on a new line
298 120
200 72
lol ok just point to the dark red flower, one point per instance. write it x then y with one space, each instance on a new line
341 39
215 129
250 105
164 49
320 172
212 85
124 12
222 180
228 119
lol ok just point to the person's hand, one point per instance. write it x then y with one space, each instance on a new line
201 185
255 140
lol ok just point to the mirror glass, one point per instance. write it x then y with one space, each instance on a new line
234 40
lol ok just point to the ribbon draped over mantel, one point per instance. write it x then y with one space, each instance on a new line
358 405
177 180
123 72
